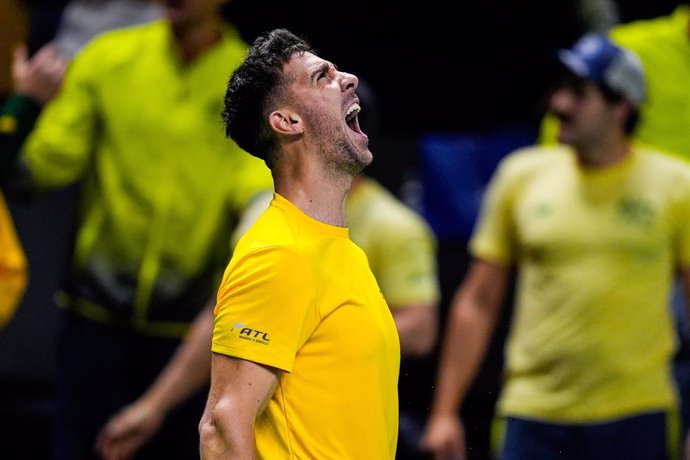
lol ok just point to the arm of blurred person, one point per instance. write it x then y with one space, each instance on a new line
239 392
403 256
472 318
417 327
187 372
36 80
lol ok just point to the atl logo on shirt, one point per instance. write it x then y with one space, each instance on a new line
247 333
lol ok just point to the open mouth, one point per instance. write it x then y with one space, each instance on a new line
351 117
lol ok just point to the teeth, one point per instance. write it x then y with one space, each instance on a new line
353 110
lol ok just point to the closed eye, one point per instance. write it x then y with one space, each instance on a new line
324 71
320 72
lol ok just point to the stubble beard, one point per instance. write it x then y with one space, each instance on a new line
353 160
342 154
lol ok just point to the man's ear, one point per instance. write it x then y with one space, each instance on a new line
286 122
624 110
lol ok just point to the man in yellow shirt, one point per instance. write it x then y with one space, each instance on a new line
306 354
663 45
596 229
401 251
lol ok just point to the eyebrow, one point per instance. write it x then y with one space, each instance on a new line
323 67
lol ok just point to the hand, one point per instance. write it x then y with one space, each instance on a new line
128 430
40 76
444 438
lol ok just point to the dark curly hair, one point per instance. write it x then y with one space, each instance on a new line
255 87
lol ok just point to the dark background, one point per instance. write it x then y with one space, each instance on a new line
464 69
439 65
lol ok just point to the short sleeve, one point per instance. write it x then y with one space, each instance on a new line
407 271
266 308
493 235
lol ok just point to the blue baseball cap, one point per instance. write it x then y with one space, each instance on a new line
595 57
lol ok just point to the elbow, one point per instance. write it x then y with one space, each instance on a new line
211 444
423 346
418 351
419 342
206 434
222 435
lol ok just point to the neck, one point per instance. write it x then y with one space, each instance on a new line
604 154
319 195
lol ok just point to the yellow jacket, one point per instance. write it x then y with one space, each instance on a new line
161 185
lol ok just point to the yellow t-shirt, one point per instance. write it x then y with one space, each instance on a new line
298 295
592 335
400 245
13 266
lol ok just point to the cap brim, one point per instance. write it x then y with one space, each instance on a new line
574 63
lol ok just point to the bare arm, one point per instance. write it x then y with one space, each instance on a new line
186 373
417 327
239 392
472 320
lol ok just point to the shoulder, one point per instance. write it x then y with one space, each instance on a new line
534 159
126 37
384 211
120 47
266 262
271 230
666 165
379 198
665 173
